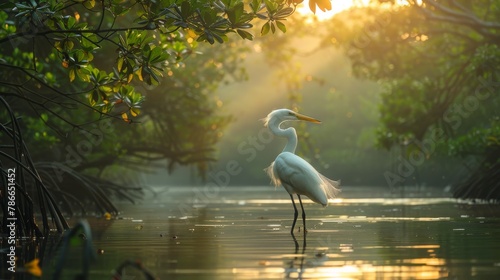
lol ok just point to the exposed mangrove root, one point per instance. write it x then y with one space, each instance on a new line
45 189
80 230
484 183
74 188
31 195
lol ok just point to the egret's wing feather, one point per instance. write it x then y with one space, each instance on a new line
271 173
298 176
331 187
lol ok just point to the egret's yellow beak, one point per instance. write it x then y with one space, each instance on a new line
306 118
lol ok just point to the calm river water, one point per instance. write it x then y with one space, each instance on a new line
244 233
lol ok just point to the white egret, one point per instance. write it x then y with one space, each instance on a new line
295 174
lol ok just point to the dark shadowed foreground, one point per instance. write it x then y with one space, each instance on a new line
243 233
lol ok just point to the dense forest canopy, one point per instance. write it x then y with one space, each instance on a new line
438 62
69 65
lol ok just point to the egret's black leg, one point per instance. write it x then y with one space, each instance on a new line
303 214
295 215
296 243
304 243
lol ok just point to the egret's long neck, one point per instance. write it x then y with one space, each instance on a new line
288 133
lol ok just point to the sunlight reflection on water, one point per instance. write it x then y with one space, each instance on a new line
244 234
350 201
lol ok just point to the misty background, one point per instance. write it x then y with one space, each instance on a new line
343 146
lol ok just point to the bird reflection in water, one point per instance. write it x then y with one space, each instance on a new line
295 269
297 266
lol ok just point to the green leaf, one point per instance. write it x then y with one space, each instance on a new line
281 26
256 5
135 111
219 37
68 45
105 89
88 40
265 28
262 16
93 98
119 64
72 75
71 22
209 37
157 55
186 9
89 4
283 13
235 13
83 75
44 117
244 34
271 6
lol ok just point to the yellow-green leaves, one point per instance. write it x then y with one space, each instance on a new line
89 4
239 19
128 102
151 71
148 50
138 56
276 14
112 94
281 26
213 25
265 28
76 63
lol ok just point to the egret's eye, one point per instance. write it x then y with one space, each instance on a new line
291 113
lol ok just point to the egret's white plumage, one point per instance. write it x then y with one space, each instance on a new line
299 177
292 172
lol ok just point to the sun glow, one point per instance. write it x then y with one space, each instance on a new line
337 7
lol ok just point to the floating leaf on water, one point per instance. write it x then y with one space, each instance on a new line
107 216
33 268
264 263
